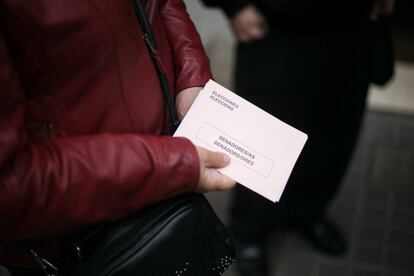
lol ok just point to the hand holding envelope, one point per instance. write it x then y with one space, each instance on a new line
263 149
210 178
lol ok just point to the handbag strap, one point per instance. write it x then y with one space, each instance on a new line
149 39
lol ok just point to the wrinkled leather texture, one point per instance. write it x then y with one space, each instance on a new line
181 235
82 116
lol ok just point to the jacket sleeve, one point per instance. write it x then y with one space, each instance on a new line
58 185
192 67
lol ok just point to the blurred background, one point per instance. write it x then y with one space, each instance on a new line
375 206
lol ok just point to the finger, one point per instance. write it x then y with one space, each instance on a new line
238 28
242 36
216 159
215 181
256 32
225 182
253 32
185 99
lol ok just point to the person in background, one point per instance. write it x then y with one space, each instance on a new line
83 123
309 63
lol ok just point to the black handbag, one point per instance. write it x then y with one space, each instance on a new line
178 236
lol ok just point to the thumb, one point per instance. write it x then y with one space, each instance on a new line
216 159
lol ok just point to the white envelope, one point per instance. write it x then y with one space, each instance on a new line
263 149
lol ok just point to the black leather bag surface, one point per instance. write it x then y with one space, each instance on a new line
179 236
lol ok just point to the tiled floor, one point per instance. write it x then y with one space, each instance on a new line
375 208
398 94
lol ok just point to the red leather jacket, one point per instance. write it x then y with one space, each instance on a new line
82 115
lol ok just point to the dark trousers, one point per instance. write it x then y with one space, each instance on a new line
318 84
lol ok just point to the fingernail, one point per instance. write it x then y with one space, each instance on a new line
226 158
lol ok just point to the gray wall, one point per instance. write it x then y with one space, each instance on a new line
218 40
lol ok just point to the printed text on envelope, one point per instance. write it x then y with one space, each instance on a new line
220 141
